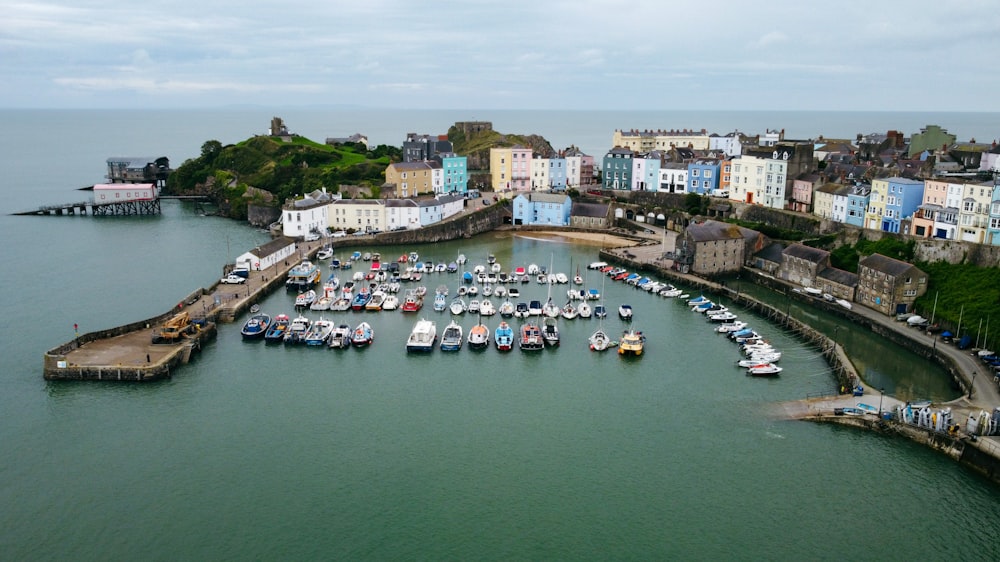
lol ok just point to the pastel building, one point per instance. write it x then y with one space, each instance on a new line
455 173
310 214
579 168
646 171
823 200
902 198
542 209
703 176
411 179
973 215
618 168
937 215
359 214
510 169
557 173
857 205
539 173
434 210
993 226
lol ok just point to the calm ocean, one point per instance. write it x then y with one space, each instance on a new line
257 452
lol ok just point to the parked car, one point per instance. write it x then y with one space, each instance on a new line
311 237
360 233
340 234
241 271
233 279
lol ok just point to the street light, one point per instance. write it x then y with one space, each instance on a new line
971 386
881 394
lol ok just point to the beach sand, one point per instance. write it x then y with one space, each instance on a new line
598 239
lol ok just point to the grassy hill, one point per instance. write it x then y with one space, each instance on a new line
278 170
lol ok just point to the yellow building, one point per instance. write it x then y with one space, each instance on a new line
876 204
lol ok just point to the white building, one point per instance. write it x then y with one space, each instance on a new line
729 144
401 213
267 255
359 214
311 214
539 173
673 178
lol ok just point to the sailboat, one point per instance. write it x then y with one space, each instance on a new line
600 340
550 309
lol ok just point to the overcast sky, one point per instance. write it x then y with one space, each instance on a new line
544 54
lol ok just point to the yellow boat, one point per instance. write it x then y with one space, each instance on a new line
631 343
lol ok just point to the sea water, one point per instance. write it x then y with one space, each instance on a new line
256 451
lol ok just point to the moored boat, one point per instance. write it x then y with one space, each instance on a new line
340 337
391 302
625 312
503 336
297 330
319 332
530 338
305 299
451 338
303 276
479 336
632 343
256 326
363 335
550 331
764 370
278 328
506 309
600 340
422 337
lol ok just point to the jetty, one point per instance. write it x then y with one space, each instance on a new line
127 353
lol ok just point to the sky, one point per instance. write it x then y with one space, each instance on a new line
879 55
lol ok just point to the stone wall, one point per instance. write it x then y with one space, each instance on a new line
261 217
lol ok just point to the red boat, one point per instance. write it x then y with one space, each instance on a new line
413 303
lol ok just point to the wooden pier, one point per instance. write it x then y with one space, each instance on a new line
124 208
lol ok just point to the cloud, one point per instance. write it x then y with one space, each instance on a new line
769 39
164 87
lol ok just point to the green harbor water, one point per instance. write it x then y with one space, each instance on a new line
270 452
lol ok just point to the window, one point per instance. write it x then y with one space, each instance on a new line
694 172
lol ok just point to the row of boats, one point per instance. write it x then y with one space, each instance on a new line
302 330
759 356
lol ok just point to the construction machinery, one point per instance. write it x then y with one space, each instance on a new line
176 329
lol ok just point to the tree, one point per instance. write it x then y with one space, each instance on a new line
210 150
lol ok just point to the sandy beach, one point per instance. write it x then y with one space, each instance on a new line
598 239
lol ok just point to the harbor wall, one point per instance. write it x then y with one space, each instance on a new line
845 373
979 454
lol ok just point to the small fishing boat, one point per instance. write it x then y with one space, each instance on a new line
479 336
764 370
391 302
531 337
340 337
324 254
278 328
305 299
632 343
506 309
256 326
451 339
473 306
361 299
522 310
363 335
457 306
550 332
413 302
625 312
319 332
422 337
584 310
504 337
297 330
322 303
486 308
600 311
440 301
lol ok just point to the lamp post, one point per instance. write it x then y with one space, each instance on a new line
973 385
881 395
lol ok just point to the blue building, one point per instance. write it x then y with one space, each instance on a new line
651 171
703 176
557 173
993 226
903 198
534 208
455 171
857 205
618 168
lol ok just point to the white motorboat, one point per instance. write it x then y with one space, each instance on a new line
391 302
764 370
457 306
422 337
625 312
486 308
584 310
569 311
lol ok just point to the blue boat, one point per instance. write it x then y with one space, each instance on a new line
278 328
256 326
440 302
452 267
504 337
467 277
